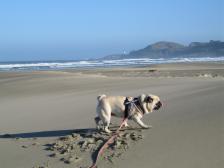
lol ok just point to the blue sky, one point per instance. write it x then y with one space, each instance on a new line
79 29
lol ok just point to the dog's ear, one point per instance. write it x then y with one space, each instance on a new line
149 99
142 97
143 100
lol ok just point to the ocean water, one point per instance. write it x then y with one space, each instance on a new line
60 65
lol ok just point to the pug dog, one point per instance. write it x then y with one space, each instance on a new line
108 106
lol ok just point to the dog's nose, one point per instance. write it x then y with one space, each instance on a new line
158 105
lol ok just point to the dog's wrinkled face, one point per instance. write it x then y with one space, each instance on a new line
157 106
151 102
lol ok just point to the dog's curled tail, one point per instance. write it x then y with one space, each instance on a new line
100 97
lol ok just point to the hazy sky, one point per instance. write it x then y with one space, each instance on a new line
74 29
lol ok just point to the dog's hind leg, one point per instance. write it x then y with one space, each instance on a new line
97 121
105 117
106 123
106 127
103 112
98 117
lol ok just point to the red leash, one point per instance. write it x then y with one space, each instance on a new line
106 144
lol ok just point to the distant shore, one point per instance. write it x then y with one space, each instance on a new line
41 106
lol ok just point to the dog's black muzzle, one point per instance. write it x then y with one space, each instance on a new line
158 105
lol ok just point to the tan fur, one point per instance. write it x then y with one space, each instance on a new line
114 105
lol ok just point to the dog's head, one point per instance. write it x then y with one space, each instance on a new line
150 102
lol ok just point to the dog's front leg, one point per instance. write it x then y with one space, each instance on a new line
140 123
126 124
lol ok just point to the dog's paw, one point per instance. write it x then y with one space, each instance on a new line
98 128
107 130
147 127
126 125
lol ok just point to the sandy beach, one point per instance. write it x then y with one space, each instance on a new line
36 108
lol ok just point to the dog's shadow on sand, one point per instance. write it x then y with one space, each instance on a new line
57 133
52 133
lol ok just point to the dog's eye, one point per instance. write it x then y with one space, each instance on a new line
149 99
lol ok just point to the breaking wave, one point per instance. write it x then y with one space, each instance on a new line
58 65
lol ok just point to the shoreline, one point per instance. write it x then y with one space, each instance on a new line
141 68
101 64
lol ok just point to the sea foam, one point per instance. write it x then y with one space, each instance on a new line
57 65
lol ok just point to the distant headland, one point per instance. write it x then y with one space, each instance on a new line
165 49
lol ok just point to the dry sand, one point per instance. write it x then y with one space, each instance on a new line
188 132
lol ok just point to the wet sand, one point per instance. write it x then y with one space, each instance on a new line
39 107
